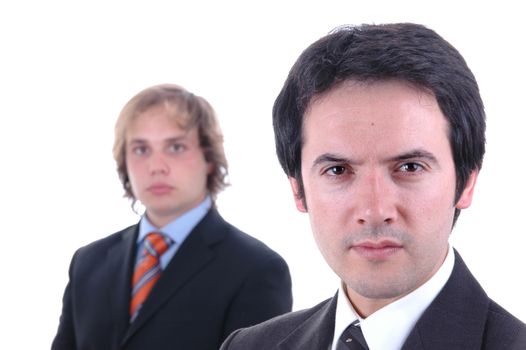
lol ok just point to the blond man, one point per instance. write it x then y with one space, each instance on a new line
183 277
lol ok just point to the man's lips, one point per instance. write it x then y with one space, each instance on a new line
159 188
379 250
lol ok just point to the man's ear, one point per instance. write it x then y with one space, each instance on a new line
210 168
467 195
300 202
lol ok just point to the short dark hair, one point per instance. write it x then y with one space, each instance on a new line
404 51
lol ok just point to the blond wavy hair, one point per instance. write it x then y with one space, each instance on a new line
189 111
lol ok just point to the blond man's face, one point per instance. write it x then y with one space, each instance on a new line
166 165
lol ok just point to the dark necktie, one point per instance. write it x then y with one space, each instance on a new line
352 338
148 270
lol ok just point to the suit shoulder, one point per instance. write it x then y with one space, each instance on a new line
249 247
271 332
101 245
503 330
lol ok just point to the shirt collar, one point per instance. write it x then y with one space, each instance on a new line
388 328
179 228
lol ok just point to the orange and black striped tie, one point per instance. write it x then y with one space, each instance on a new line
148 270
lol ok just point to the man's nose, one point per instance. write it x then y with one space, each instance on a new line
158 164
375 198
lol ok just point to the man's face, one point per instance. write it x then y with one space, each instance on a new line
379 183
166 166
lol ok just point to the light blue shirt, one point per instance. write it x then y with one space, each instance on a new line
177 229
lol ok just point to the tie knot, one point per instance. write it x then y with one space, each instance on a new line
156 243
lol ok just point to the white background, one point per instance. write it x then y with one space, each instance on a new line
67 68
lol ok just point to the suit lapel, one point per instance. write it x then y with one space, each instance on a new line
120 263
314 333
455 320
194 254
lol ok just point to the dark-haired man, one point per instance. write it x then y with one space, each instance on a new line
380 129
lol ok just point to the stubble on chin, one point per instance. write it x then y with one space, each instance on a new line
380 279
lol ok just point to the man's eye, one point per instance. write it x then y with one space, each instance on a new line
177 147
411 167
140 150
335 170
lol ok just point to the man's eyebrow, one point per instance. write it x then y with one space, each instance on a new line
138 140
168 140
176 138
416 154
336 158
330 158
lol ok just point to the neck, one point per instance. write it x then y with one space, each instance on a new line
365 307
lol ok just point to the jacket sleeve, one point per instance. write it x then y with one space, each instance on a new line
65 337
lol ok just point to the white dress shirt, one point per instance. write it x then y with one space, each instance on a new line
389 327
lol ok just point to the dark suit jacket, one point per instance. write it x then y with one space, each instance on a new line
461 317
219 280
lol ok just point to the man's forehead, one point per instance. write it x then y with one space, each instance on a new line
362 101
177 133
382 119
352 87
